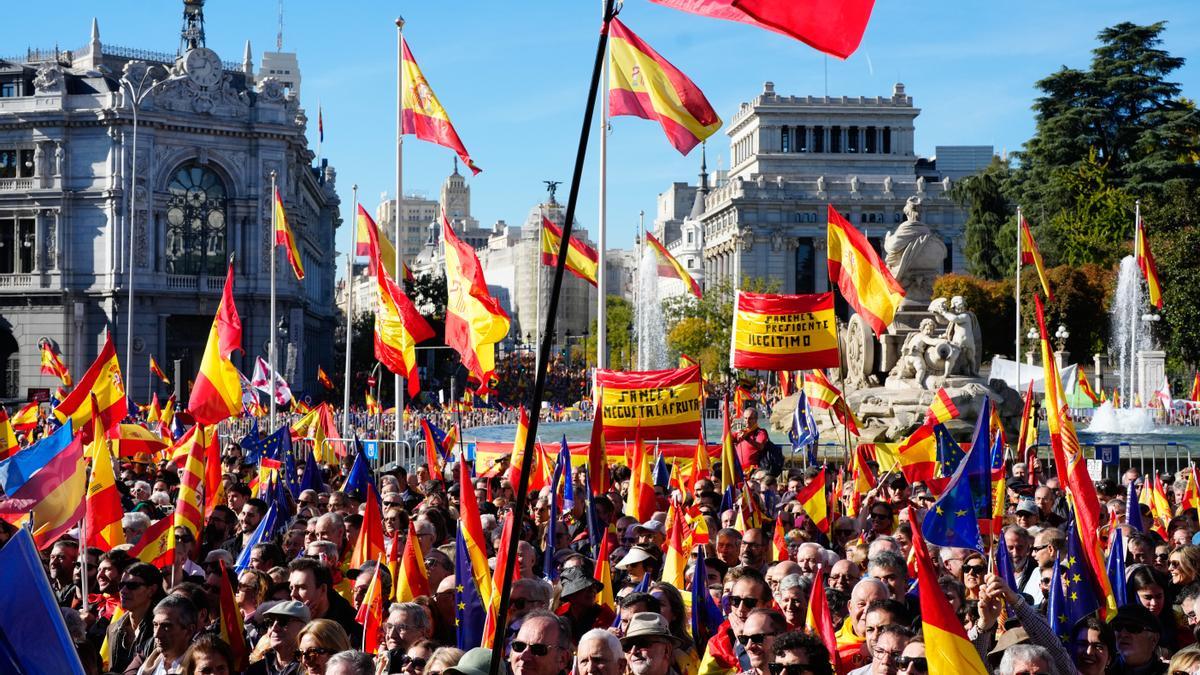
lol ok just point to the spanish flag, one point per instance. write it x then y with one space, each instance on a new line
471 527
1191 494
157 545
946 645
284 237
812 498
373 407
644 84
1194 394
367 233
323 378
8 438
422 114
52 364
1145 262
1031 256
158 372
104 512
676 559
1086 387
217 393
369 545
412 579
104 380
27 418
669 267
231 629
189 506
398 324
818 618
823 395
861 276
370 612
502 570
582 260
942 409
603 572
641 501
475 321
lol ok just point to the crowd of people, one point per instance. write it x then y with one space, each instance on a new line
299 598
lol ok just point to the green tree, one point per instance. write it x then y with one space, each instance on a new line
990 230
619 330
702 327
1096 224
1173 232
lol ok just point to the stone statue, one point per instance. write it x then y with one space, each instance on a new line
915 256
962 331
921 353
920 185
946 184
58 159
820 184
854 185
887 185
49 80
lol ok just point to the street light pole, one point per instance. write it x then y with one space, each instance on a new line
136 96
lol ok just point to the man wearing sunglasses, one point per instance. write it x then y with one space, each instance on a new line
758 638
132 635
799 653
749 591
1138 634
649 645
283 622
542 645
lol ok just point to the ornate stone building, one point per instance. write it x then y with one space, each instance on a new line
790 157
209 136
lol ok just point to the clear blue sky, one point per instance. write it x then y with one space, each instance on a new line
513 77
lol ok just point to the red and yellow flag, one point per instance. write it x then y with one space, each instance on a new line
52 364
947 647
860 274
217 393
1085 386
1145 262
603 572
367 234
412 579
370 612
475 321
214 485
369 545
819 619
104 380
189 508
662 404
701 466
582 260
641 501
942 409
784 332
131 440
918 455
422 114
27 418
644 84
823 395
157 545
1194 394
8 437
1191 494
1031 256
506 535
104 511
669 267
676 559
373 407
1154 496
158 372
398 324
323 378
285 238
231 628
779 549
812 498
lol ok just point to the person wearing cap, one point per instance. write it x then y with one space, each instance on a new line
649 645
541 647
635 563
1027 514
283 622
579 607
1138 633
477 661
651 533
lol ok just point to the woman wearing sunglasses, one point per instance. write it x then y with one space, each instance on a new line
319 640
974 570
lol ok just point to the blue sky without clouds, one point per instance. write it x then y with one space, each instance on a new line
513 77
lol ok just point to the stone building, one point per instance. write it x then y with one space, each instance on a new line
210 134
790 157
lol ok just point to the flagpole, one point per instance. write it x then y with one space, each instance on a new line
271 329
1133 316
1017 342
539 386
537 294
349 314
602 227
399 431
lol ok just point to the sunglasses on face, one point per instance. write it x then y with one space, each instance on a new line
918 663
881 516
132 585
738 601
1043 547
414 661
519 647
314 652
757 638
974 569
789 669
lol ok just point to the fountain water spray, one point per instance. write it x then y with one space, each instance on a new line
651 328
1129 338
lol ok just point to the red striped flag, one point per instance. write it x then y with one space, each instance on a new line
285 238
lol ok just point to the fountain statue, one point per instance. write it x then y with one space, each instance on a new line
932 343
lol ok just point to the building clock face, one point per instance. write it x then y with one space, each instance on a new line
203 66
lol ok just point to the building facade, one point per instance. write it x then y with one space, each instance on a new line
210 136
791 156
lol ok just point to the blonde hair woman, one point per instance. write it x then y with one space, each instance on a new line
319 640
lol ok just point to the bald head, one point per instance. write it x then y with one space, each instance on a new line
865 592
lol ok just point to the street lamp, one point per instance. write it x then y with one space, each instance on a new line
1061 335
139 72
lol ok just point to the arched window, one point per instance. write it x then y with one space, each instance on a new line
196 229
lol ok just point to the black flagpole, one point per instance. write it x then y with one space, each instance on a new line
539 386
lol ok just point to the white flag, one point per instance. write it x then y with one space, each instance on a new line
261 382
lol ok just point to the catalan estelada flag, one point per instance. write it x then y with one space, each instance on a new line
832 26
398 324
643 84
475 321
422 114
285 238
946 645
582 260
104 380
784 332
860 274
1031 256
217 393
812 498
669 267
1145 262
158 372
52 364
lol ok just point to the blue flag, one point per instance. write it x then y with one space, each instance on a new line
252 444
469 612
312 479
954 518
706 616
804 433
18 469
1004 566
549 570
1056 610
33 636
1133 510
593 519
949 453
1079 583
662 472
359 480
564 459
261 533
728 499
274 445
1116 566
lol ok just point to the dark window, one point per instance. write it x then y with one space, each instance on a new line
8 89
877 244
785 139
852 141
196 232
871 146
887 140
835 139
17 240
25 169
806 266
948 263
801 139
818 139
8 163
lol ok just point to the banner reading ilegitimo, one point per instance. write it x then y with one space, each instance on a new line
665 402
784 332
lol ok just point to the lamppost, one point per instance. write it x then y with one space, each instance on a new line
1032 336
139 72
1061 335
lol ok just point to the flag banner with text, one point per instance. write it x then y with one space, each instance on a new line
784 332
665 403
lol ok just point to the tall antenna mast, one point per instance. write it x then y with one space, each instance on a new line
279 35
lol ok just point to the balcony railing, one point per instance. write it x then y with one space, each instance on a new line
15 184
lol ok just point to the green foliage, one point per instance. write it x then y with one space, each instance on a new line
1096 226
1173 232
991 230
428 293
1082 298
619 329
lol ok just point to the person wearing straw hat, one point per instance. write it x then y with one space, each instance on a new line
649 645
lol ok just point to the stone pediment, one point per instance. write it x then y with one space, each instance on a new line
220 100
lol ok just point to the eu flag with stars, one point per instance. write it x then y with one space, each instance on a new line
1133 510
949 453
804 433
1056 610
252 444
312 479
274 445
954 518
359 480
1116 566
1078 581
469 612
